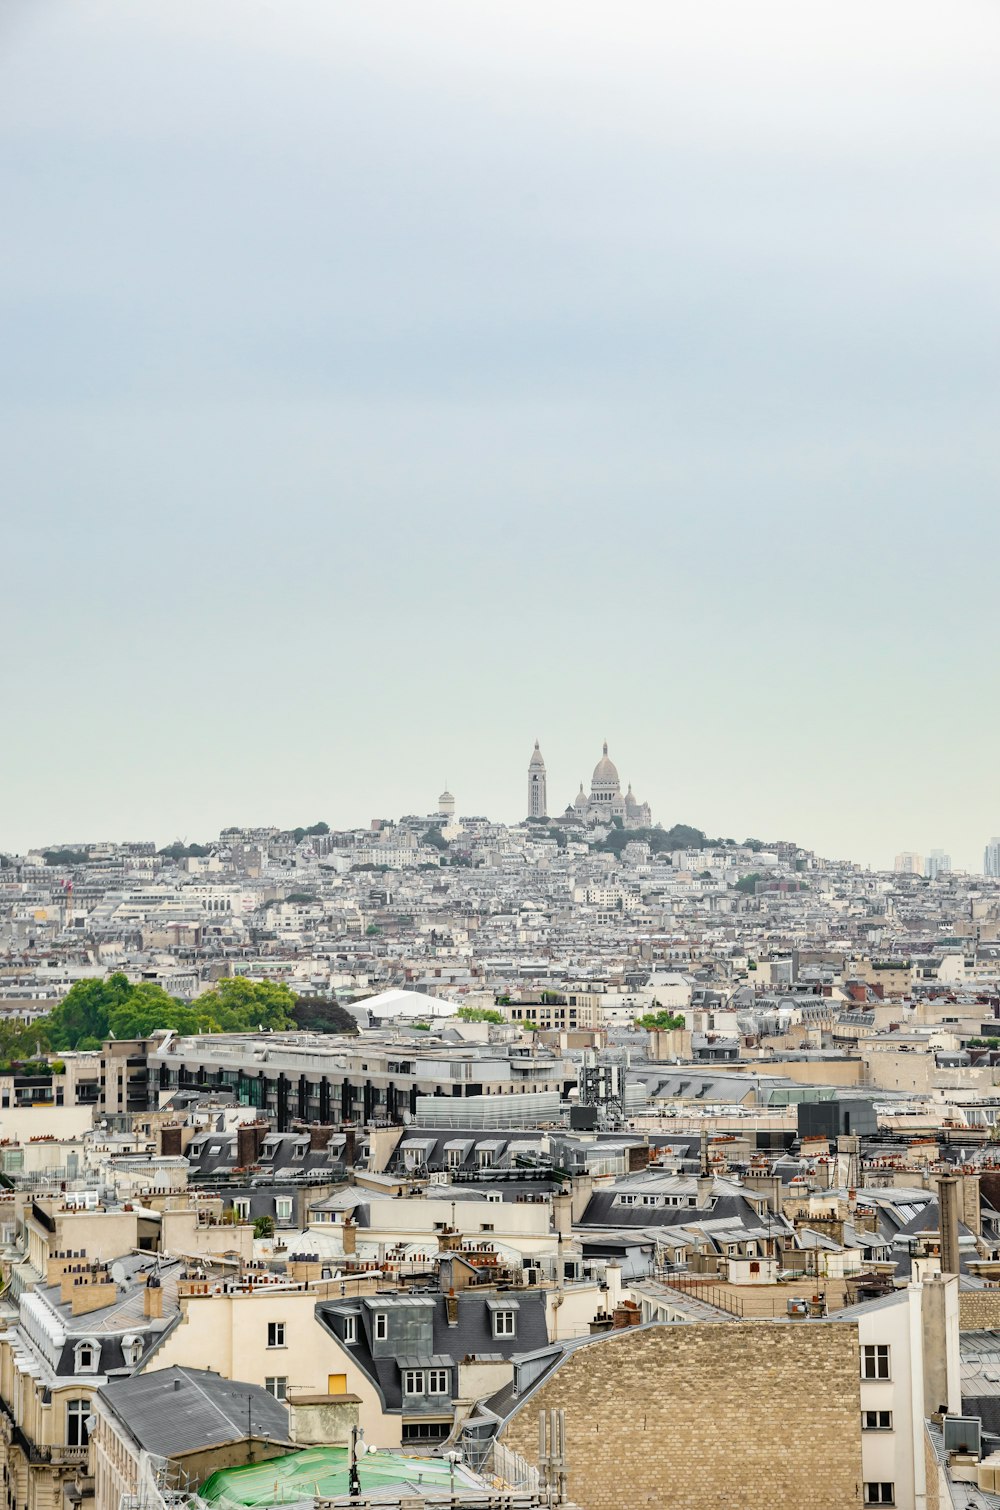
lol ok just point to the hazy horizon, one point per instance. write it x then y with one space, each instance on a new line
387 385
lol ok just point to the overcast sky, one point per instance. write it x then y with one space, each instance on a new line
386 385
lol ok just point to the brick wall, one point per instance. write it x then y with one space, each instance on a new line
978 1310
708 1417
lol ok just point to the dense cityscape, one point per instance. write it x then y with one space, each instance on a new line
499 821
443 1126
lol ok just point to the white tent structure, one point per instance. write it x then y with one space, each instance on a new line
413 1004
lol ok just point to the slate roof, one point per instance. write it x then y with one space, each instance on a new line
472 1334
181 1410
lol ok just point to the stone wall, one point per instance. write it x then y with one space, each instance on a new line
978 1310
751 1414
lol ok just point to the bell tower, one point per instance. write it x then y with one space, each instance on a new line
537 800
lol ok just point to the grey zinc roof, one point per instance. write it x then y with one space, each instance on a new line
179 1410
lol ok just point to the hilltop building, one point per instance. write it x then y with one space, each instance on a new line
606 800
537 800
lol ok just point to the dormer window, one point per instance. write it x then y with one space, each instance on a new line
131 1350
350 1329
87 1356
503 1323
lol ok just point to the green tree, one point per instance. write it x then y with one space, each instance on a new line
317 1014
239 1005
662 1021
149 1007
263 1227
480 1014
748 884
84 1011
435 839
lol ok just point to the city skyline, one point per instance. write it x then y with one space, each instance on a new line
294 813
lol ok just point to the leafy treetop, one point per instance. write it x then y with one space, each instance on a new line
94 1009
662 1021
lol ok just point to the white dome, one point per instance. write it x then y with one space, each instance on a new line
605 771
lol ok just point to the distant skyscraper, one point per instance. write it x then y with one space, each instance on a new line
937 864
991 859
909 864
537 800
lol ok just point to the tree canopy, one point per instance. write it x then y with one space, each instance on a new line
480 1014
314 829
663 1020
94 1009
318 1014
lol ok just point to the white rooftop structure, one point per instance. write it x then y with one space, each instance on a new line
415 1004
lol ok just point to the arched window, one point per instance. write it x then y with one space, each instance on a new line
131 1349
87 1354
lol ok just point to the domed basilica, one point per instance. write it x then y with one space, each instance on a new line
604 803
606 800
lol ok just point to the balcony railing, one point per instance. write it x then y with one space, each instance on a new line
69 1454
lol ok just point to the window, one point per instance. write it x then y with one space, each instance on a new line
381 1326
880 1493
503 1323
413 1381
484 1157
275 1334
453 1157
875 1365
437 1381
650 1200
283 1208
242 1208
276 1385
350 1329
426 1431
626 1200
132 1350
87 1354
876 1420
77 1433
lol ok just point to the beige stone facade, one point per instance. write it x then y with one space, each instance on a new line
644 1407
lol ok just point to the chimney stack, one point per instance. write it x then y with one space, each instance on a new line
948 1223
152 1299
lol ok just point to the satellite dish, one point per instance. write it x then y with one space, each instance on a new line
118 1273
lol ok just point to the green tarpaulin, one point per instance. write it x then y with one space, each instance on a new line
322 1471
